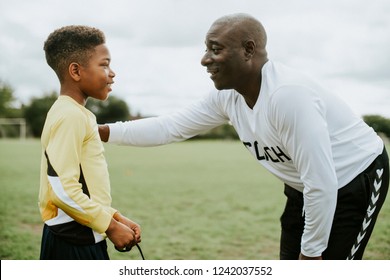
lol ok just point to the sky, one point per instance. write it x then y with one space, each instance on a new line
156 46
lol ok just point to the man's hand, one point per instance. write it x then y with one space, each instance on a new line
104 132
303 257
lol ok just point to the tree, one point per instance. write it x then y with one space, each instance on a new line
111 110
378 123
35 113
225 131
8 111
7 99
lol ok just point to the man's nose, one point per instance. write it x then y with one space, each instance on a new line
206 59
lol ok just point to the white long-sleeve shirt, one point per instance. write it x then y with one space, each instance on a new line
304 135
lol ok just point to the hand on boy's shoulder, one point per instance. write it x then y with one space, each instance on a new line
104 132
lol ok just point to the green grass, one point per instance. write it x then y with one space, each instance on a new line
193 200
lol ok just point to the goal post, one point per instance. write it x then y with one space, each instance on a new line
21 122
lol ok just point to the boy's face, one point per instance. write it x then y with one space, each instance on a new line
97 77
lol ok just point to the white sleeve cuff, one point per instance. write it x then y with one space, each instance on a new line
115 133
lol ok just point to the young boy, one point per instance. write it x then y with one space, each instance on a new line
74 197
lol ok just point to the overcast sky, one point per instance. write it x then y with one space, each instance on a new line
156 46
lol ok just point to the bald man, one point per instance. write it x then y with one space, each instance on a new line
334 167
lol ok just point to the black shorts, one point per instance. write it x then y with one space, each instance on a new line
358 206
55 248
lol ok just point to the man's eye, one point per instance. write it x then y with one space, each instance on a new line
215 50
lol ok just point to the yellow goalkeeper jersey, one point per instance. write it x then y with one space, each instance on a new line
75 194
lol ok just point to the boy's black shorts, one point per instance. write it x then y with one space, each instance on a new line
55 248
358 206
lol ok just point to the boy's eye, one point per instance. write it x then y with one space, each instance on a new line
105 63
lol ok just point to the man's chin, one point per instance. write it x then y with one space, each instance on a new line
221 87
218 86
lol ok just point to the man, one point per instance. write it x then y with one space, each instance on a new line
334 167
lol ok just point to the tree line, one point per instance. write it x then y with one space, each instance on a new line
112 110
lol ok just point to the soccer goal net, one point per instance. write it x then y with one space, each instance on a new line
18 122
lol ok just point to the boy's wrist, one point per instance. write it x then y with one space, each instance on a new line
117 216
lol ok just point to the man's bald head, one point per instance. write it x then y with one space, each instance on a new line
245 27
236 53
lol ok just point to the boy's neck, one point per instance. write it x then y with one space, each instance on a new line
75 94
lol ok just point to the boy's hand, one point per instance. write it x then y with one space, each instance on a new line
129 223
121 235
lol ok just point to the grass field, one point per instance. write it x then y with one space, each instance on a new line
193 200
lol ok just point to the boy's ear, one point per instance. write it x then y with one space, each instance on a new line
74 71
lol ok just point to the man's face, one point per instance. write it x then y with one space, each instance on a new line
97 76
224 57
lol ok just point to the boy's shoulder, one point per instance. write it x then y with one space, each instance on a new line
65 102
66 108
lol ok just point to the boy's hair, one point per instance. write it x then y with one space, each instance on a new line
74 43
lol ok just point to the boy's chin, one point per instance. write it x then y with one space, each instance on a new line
102 97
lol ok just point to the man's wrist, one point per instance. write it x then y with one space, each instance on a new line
104 132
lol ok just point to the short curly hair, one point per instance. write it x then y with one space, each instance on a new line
73 43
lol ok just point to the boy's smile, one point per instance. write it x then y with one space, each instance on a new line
97 76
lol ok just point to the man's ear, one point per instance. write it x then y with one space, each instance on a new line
75 71
250 48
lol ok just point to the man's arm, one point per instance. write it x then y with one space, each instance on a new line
301 115
154 131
